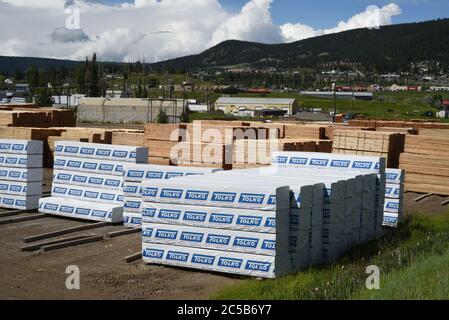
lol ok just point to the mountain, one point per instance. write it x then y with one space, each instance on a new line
12 64
389 48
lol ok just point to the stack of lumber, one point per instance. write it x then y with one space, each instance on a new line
425 162
234 131
439 133
398 124
330 129
128 137
160 139
91 134
301 131
38 118
376 144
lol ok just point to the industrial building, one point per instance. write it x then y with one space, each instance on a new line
234 105
129 110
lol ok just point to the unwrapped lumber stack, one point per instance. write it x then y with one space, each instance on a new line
366 143
398 124
88 180
40 118
425 163
20 173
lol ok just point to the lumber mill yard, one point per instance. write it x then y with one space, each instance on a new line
215 209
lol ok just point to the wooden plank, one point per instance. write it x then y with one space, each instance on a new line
24 218
12 213
424 196
65 231
37 246
71 243
133 257
123 232
445 202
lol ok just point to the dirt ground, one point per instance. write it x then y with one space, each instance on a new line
103 272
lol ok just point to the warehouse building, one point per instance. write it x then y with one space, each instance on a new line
234 105
128 110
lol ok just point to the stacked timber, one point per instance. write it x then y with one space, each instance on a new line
38 118
425 162
398 124
160 140
128 137
375 144
301 131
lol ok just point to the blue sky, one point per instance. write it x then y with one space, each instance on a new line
326 13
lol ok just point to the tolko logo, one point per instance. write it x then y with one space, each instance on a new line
230 263
195 216
135 174
120 154
154 175
106 167
249 221
103 153
87 151
251 198
18 147
201 259
169 214
257 266
269 245
153 253
177 256
99 213
392 205
82 211
271 222
223 196
149 212
246 242
362 165
166 234
221 218
340 163
171 193
69 149
170 175
218 239
319 162
197 195
147 232
149 192
298 161
192 236
280 160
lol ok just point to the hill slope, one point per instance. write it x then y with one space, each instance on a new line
388 48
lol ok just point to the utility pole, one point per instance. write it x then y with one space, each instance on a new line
335 103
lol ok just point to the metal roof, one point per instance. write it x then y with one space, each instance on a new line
236 101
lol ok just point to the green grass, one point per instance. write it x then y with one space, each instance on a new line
413 262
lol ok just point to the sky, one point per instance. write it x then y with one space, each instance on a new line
154 30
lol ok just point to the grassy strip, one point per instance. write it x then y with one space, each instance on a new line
418 247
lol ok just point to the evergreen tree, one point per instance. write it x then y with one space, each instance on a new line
43 98
162 116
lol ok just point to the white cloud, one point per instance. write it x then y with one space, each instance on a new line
156 29
372 17
253 23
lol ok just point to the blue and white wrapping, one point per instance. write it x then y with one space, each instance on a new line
101 151
20 188
19 201
394 191
21 174
394 176
132 220
81 209
21 161
140 172
210 260
391 219
85 179
87 194
23 147
329 161
206 238
210 217
132 204
88 166
132 189
392 206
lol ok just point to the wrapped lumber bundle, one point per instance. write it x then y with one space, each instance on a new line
425 162
366 143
